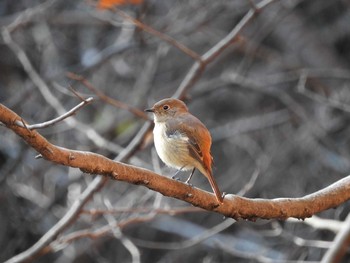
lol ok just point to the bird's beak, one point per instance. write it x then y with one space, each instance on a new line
149 110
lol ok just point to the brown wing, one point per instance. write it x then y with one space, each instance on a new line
192 130
198 137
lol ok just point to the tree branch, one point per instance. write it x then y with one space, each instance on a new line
233 206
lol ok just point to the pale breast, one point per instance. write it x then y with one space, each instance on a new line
172 150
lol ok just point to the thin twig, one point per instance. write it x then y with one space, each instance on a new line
301 88
249 185
28 15
340 244
320 223
62 224
98 233
168 211
56 120
117 233
198 68
76 93
105 230
160 35
116 103
206 234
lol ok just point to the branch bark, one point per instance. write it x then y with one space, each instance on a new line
234 206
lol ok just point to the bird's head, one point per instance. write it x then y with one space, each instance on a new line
168 108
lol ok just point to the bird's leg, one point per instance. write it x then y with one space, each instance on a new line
190 177
174 176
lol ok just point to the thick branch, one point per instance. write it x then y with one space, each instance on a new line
233 206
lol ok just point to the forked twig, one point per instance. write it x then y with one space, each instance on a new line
56 120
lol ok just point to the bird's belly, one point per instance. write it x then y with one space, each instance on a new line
171 150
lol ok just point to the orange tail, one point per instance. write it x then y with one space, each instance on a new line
214 186
207 162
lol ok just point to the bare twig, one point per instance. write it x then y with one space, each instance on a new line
56 120
94 234
198 68
160 35
190 242
103 231
249 124
28 15
168 211
340 244
250 183
320 223
76 93
107 99
62 224
117 233
316 97
30 70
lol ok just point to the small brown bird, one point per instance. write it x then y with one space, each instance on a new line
182 141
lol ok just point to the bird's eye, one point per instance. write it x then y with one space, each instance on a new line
165 107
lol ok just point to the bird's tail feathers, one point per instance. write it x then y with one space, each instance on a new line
214 186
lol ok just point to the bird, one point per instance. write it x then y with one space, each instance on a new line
182 141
